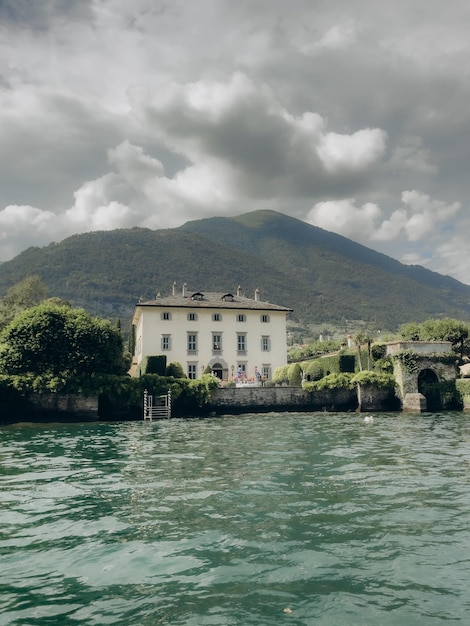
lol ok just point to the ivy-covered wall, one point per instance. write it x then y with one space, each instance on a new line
407 365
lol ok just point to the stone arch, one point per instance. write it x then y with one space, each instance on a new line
219 368
428 386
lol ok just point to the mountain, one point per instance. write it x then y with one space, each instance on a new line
324 277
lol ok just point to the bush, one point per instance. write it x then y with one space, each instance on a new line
331 381
153 365
281 374
294 374
202 389
378 351
377 379
175 370
312 370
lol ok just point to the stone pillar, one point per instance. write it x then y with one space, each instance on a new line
414 402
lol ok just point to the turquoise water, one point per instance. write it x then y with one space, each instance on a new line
292 519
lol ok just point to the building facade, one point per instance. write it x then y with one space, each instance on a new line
235 336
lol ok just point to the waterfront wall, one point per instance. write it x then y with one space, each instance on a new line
260 399
48 407
58 407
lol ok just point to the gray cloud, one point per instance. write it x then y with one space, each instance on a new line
151 113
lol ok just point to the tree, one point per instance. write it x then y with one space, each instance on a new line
27 293
57 340
445 329
359 339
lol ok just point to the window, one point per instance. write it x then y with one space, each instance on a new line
192 317
192 371
265 319
241 317
241 370
166 315
266 371
241 343
216 317
166 342
216 342
265 343
192 342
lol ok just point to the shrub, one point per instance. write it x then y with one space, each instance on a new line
378 351
331 381
153 365
312 370
175 370
281 374
294 374
377 379
201 389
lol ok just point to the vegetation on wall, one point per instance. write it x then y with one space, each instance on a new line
331 381
380 380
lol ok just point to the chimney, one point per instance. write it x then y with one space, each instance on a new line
184 290
239 290
173 291
257 294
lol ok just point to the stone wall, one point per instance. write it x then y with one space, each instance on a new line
260 399
48 407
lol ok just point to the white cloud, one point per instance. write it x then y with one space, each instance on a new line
426 214
345 218
418 219
391 228
23 226
352 152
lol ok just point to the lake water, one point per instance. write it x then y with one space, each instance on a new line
270 519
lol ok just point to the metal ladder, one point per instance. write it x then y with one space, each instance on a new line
158 407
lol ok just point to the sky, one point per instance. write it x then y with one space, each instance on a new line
351 116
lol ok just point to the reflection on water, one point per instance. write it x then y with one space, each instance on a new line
260 519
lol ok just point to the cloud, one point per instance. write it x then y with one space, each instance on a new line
262 146
152 113
418 219
425 214
23 226
352 152
345 218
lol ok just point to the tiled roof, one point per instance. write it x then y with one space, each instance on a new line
212 300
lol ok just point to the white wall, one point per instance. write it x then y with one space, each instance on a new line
151 327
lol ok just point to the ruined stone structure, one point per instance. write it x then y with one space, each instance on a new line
425 373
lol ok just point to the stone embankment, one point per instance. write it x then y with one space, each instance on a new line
232 400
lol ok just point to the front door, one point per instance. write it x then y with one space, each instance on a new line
217 370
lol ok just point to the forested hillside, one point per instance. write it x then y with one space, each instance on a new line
324 277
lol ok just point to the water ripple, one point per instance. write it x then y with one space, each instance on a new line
251 520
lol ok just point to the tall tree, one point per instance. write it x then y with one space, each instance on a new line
56 340
27 293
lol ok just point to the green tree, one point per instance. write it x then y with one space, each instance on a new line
359 339
175 370
58 341
25 294
445 329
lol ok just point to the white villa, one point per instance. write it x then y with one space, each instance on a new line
237 337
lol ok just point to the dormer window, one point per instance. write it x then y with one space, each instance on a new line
228 297
197 296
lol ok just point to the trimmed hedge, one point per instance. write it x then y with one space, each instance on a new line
153 365
336 364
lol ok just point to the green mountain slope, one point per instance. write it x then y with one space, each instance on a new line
324 277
